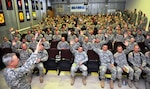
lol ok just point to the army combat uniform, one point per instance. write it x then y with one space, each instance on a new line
106 59
138 60
16 78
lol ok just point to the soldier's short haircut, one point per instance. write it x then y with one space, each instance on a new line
104 45
7 58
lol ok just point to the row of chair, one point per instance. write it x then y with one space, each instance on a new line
64 64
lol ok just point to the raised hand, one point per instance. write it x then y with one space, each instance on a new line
38 47
36 35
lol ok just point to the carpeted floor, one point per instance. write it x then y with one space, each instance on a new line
53 81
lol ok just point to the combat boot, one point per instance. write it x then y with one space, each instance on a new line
41 79
136 85
72 80
84 80
102 83
120 83
111 84
129 83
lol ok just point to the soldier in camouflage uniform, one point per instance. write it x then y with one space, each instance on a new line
42 56
29 36
6 43
16 77
147 55
63 44
123 66
45 43
107 62
24 53
86 44
79 60
138 61
32 44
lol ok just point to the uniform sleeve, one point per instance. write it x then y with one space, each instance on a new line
95 49
143 58
85 58
116 59
130 59
47 45
58 45
27 66
45 57
67 45
73 50
111 57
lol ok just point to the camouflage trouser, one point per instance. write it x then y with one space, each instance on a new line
103 70
138 71
120 71
40 67
75 67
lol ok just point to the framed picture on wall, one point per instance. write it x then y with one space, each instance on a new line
19 4
33 5
2 19
0 4
34 15
28 15
21 16
26 4
37 5
41 3
9 4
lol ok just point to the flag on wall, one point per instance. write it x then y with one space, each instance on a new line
0 4
9 4
2 19
34 15
33 5
26 4
28 15
21 16
41 3
19 3
37 5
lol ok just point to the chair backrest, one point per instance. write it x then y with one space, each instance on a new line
92 55
54 44
66 53
52 52
142 46
6 50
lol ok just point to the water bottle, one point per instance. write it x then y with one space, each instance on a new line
124 82
58 57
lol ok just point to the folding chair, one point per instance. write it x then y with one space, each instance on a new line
93 61
51 63
66 61
54 44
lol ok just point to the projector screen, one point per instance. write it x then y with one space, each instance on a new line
77 8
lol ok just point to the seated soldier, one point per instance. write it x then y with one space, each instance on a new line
122 66
63 44
79 60
138 61
107 62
